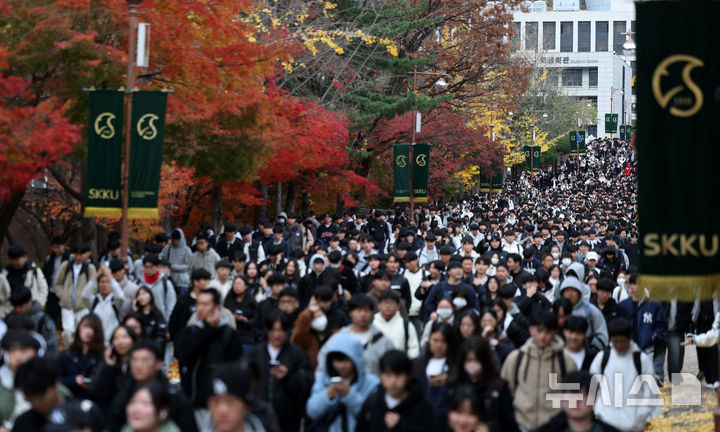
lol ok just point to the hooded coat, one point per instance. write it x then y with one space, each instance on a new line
179 259
597 327
320 408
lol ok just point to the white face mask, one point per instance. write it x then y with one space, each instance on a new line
556 255
566 261
319 323
444 313
494 260
621 281
459 302
473 368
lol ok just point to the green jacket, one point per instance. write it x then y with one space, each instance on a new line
7 404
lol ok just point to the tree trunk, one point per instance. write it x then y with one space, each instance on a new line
305 204
88 234
261 210
291 197
216 207
340 207
7 212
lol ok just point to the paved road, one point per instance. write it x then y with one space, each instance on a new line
686 418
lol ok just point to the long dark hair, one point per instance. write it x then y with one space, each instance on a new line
484 354
130 333
447 331
96 346
152 299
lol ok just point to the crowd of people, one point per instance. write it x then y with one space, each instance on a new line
463 316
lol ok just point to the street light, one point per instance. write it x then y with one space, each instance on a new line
133 6
544 115
629 44
612 94
415 123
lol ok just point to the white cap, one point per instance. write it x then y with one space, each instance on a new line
592 255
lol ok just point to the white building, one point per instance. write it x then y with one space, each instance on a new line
583 51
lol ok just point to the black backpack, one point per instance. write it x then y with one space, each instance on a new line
561 361
606 358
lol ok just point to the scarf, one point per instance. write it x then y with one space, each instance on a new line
150 280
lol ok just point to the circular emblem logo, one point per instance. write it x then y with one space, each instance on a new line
401 161
681 106
421 160
146 126
103 125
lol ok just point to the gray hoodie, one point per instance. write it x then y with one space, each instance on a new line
179 258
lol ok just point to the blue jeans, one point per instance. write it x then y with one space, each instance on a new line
659 363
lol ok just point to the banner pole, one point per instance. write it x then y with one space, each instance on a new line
129 87
413 121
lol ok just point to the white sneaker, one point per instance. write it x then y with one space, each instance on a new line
713 386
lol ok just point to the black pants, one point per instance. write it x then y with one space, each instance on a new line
708 363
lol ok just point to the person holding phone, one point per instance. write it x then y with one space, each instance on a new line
340 392
285 371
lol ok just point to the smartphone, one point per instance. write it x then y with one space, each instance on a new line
274 363
87 380
335 379
238 312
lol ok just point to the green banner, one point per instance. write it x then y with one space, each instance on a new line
611 123
626 132
102 193
492 184
147 132
577 147
401 170
421 172
533 156
678 72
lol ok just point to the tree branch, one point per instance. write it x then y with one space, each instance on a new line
65 184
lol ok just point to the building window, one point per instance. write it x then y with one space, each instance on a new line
584 36
531 36
572 78
593 76
566 36
601 36
618 36
515 44
549 35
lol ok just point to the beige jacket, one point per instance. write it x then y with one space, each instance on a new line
34 281
532 409
64 285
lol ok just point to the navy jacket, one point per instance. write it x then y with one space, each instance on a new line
648 319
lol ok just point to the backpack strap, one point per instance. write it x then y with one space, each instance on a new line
406 325
636 361
561 361
517 367
605 359
374 339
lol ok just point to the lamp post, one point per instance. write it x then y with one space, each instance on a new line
492 141
577 124
415 123
612 94
532 149
133 6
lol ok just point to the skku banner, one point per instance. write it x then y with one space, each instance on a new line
147 132
492 184
533 155
577 143
677 149
104 158
401 170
